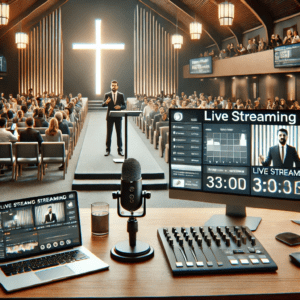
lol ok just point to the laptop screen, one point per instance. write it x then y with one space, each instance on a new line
39 225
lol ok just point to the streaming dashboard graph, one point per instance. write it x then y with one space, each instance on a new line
226 146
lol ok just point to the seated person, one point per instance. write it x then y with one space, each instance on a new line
295 37
278 40
62 126
273 42
30 134
262 45
53 133
66 118
288 38
241 50
5 135
40 120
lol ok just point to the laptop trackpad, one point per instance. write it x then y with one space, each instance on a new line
54 273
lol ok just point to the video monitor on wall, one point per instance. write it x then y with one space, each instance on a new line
235 152
287 56
3 68
201 65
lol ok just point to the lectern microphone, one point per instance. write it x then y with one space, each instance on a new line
131 198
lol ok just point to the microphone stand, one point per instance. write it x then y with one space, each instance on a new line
135 251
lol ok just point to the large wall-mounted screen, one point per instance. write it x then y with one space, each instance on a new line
236 152
201 65
287 56
3 68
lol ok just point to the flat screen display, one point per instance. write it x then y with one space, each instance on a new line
249 153
201 65
39 225
3 68
287 56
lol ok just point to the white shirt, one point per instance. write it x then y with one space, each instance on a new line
284 150
114 95
6 136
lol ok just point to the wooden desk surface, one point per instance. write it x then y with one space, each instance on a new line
154 278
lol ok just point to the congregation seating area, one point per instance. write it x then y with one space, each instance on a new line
16 157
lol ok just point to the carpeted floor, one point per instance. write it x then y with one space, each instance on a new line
27 186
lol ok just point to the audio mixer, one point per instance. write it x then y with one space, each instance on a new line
208 250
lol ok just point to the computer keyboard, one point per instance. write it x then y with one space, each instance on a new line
208 250
42 262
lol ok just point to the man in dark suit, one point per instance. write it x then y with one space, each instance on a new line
50 217
30 134
114 101
282 155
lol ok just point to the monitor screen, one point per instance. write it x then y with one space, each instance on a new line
248 157
201 65
39 225
287 56
3 68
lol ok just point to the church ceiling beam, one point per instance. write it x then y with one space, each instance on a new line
262 14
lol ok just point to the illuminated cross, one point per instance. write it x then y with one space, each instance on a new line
98 47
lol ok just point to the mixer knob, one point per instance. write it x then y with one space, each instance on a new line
180 241
174 229
218 242
253 241
201 229
239 242
171 242
182 229
190 241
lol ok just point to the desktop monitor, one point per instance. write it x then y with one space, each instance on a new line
233 157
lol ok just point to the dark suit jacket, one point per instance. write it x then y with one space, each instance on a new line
47 218
30 135
290 158
110 106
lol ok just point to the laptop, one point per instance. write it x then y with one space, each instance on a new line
40 242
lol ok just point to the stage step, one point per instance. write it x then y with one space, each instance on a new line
115 184
96 105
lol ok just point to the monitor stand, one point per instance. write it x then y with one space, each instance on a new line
235 216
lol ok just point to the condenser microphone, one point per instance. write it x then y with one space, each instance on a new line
131 185
131 198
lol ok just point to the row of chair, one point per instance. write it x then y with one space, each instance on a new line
18 154
28 153
157 132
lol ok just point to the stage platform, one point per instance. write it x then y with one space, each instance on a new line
95 171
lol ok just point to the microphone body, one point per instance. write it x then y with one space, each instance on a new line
131 185
131 194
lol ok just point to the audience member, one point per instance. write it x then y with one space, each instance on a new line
288 38
30 134
53 133
6 136
62 126
295 37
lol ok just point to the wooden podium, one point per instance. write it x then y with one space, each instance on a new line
119 114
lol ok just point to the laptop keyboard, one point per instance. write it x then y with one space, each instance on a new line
43 262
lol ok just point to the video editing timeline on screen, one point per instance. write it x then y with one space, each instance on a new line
207 250
237 152
38 226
